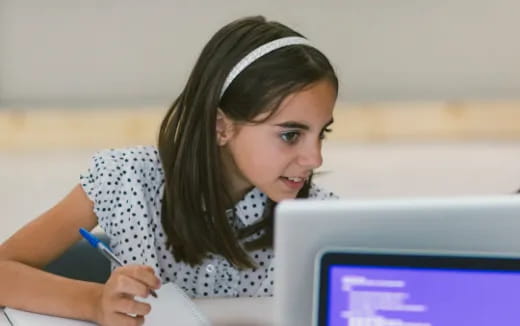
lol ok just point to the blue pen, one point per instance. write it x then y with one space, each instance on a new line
105 250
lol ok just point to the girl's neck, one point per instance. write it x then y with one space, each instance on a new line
239 194
238 186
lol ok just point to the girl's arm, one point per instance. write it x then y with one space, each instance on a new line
24 285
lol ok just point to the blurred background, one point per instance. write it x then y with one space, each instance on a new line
429 99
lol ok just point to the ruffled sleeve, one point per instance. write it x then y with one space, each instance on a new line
101 183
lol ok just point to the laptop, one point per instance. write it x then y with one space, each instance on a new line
355 286
304 227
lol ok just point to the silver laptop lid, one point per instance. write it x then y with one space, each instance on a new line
303 227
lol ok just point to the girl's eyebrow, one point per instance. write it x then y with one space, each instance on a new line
299 125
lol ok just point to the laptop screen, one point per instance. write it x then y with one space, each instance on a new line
417 290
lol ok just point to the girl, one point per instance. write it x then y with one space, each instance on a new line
244 134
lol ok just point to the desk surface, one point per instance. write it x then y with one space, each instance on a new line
3 318
225 311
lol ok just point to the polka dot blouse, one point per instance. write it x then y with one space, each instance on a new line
126 187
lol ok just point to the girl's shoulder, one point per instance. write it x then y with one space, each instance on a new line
137 160
113 171
128 156
124 183
317 192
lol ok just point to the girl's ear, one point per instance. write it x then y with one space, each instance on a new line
225 128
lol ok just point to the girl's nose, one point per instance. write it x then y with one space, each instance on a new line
311 157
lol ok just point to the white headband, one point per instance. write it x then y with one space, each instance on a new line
259 52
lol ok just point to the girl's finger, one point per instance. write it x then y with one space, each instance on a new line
127 305
125 320
130 286
144 274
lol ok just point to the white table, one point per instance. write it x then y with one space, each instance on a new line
3 318
238 311
225 312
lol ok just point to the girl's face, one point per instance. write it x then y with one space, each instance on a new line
278 155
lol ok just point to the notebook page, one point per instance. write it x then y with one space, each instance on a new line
173 307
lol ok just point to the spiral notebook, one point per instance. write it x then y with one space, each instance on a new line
172 306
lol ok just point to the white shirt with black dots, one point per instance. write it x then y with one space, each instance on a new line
126 187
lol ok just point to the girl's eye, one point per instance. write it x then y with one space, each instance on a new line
290 137
324 132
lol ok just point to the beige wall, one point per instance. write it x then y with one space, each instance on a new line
134 53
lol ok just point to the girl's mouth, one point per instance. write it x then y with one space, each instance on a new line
293 183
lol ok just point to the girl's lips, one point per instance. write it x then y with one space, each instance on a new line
294 185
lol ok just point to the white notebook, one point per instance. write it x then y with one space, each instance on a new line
172 306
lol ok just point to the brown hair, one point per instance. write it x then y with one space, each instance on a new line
196 195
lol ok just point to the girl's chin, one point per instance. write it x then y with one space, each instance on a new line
278 196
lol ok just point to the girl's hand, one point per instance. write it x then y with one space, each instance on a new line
117 305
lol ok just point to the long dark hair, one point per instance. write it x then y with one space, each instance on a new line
196 192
